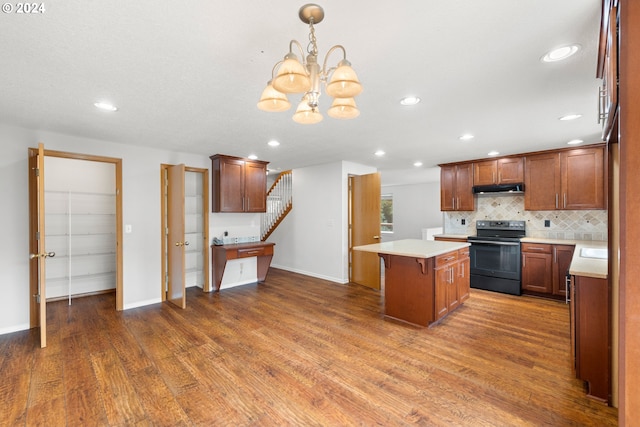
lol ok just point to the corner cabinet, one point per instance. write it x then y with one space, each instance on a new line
456 182
544 269
238 184
566 180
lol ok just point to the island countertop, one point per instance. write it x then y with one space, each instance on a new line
413 247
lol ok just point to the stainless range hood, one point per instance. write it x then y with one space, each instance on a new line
499 188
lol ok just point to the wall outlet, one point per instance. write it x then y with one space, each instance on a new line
463 221
547 223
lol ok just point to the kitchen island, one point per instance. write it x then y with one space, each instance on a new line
423 280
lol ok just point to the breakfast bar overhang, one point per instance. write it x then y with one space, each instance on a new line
423 280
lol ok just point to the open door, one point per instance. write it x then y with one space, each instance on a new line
176 244
364 220
37 248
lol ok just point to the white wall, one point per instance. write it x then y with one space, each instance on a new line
313 238
141 209
415 206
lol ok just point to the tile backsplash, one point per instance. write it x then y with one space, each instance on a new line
573 225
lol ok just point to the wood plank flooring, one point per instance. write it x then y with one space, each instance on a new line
295 351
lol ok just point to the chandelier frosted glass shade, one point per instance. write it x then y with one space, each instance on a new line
344 82
292 76
272 100
306 115
344 108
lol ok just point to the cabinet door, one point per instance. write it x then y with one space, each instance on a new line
510 171
542 182
562 255
453 299
464 187
485 173
583 179
447 188
536 272
441 289
463 278
231 191
255 178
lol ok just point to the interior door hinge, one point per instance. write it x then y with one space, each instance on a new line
37 235
37 171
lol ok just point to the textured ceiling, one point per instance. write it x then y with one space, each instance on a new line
187 75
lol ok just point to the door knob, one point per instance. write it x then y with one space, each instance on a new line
179 244
186 243
376 237
42 255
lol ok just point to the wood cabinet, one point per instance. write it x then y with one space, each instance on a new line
565 180
509 170
451 281
238 184
422 291
562 255
537 263
607 70
220 254
544 269
456 188
590 323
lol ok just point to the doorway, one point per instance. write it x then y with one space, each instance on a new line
37 229
185 231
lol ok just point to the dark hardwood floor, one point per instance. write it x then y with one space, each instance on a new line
295 351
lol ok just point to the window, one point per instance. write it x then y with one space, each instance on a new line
386 213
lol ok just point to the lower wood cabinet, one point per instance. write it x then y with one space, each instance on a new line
451 281
590 334
544 269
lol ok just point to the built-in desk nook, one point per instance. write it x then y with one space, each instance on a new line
423 280
222 253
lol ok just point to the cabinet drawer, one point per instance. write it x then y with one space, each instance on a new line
447 258
463 253
536 248
250 252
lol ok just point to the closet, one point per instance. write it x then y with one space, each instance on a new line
80 218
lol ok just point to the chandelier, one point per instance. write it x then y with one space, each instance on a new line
292 76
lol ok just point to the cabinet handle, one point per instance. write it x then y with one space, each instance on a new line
565 200
453 202
555 255
533 248
556 200
524 261
493 177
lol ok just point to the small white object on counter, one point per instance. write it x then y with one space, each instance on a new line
413 248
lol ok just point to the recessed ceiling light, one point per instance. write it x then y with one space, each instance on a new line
570 117
575 142
379 153
273 143
560 53
466 137
252 156
493 153
417 164
409 100
105 106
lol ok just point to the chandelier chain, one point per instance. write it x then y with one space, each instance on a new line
312 47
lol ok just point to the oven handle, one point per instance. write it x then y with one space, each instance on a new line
486 242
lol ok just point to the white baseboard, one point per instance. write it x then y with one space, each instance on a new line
142 303
308 273
14 328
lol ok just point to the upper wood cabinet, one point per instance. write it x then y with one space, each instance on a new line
509 170
456 182
238 184
565 180
608 69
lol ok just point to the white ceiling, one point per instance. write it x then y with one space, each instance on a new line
187 75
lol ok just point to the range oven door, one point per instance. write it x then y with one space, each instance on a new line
499 259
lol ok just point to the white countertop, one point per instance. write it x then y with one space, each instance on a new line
413 248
